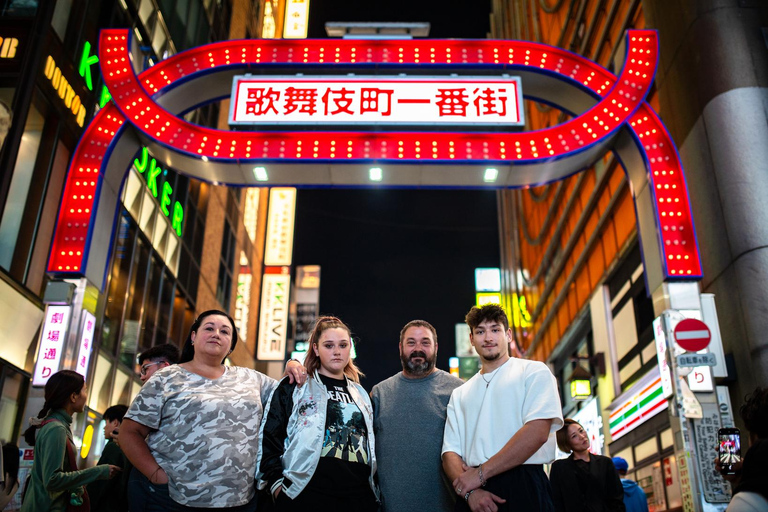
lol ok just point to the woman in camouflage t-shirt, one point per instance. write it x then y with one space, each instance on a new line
192 431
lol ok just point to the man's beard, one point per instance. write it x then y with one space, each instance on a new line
418 369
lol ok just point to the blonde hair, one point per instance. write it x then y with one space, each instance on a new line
312 361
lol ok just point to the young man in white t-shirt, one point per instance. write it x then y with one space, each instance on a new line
501 424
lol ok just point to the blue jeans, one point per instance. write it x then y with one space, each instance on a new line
144 496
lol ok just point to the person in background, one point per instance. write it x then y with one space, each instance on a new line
111 495
750 482
155 358
584 482
408 408
9 472
500 425
635 499
192 432
55 482
318 450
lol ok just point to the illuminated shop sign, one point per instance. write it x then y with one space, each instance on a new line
443 101
84 69
273 317
268 22
8 46
86 344
147 164
296 19
65 91
282 211
637 408
521 317
52 341
243 299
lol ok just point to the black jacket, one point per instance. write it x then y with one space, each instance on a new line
586 487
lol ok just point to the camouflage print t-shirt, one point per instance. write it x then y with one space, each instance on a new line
205 432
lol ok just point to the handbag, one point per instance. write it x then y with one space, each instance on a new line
78 499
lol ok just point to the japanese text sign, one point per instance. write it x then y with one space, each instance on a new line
86 344
443 101
52 342
278 249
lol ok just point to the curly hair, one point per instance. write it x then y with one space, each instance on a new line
754 412
487 312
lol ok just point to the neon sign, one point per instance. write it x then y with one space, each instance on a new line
153 171
612 106
296 19
52 340
65 91
8 46
444 101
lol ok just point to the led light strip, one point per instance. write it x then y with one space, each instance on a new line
622 101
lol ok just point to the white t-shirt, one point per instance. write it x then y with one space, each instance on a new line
483 418
205 432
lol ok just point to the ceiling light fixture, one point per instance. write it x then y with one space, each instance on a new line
375 174
490 175
260 173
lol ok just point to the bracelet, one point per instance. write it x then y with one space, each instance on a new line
466 496
480 475
153 474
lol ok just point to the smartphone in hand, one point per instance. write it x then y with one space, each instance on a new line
728 449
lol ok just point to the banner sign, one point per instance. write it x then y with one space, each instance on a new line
273 317
282 212
415 101
52 341
86 344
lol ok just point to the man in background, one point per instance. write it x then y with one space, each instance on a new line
408 419
155 358
635 499
110 495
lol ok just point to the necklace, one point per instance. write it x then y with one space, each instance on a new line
488 382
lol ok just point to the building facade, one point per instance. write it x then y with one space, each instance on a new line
572 261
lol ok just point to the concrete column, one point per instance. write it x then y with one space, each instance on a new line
713 89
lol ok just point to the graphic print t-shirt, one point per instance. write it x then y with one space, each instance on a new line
344 459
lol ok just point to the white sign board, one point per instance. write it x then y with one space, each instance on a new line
278 250
52 342
273 317
691 360
86 344
661 355
296 19
414 101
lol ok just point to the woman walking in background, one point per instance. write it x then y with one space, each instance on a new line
317 441
55 482
584 482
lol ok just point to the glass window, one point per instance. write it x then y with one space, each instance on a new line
129 341
150 305
121 393
20 185
99 392
14 391
118 283
26 8
61 17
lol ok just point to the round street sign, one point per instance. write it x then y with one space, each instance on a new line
692 335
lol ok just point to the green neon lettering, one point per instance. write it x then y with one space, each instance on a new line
154 172
166 199
105 96
178 216
86 61
142 166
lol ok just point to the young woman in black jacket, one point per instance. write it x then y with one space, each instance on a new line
584 482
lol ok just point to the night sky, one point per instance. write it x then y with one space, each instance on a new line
393 255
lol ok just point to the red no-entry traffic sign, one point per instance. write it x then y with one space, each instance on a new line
693 335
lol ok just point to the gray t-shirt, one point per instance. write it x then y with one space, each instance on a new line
408 421
205 432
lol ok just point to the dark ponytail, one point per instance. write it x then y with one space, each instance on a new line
58 389
188 350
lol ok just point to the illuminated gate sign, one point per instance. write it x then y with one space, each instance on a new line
430 101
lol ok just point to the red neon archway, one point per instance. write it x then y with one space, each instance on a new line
621 105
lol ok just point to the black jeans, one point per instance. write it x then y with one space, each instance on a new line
526 489
316 502
144 496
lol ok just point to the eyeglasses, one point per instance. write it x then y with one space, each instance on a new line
145 367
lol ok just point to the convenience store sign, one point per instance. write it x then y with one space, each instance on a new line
637 409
